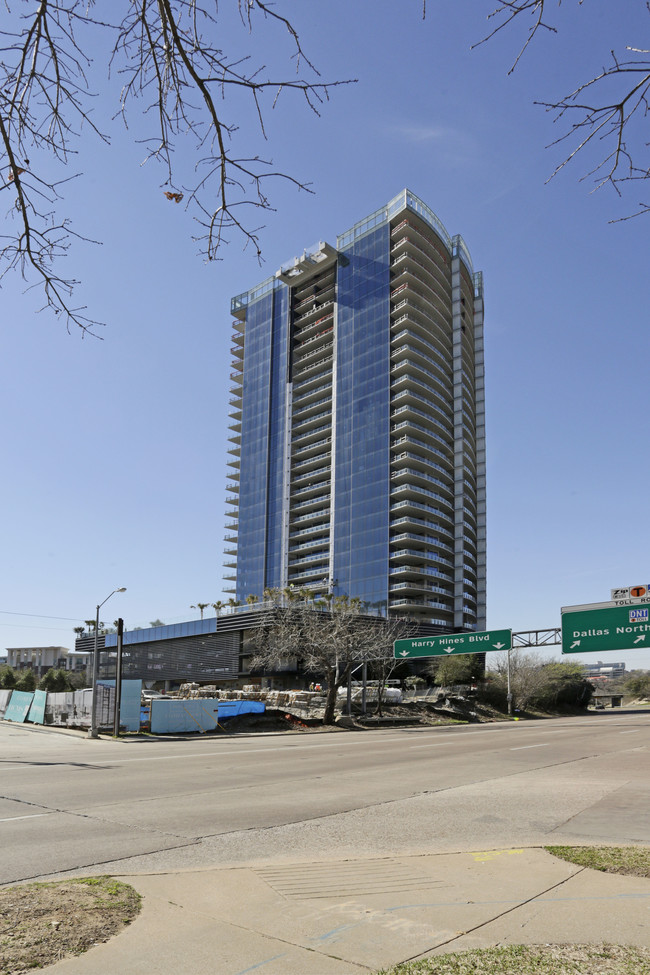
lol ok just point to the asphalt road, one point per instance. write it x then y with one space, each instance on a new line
72 804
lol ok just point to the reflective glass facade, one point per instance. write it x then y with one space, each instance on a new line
255 431
273 575
362 455
358 423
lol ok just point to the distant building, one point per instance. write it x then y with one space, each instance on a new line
601 670
78 662
42 659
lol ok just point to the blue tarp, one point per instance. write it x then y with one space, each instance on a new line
229 709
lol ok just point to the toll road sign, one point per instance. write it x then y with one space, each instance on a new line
450 643
597 630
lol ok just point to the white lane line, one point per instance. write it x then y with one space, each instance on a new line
286 748
457 736
635 732
520 748
11 819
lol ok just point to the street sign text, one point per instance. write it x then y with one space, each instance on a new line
441 646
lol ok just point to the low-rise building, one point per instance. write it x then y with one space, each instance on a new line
600 669
42 659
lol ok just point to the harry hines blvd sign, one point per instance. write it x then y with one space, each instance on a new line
439 646
595 628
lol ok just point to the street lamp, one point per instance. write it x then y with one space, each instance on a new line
94 733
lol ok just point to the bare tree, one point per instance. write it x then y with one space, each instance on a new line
608 112
527 677
329 637
169 55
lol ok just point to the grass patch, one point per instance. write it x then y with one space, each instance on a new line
533 960
631 860
41 923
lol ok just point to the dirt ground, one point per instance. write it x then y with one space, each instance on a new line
41 924
447 711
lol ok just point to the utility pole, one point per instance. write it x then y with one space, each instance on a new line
94 731
118 678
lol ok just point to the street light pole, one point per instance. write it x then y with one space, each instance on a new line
94 732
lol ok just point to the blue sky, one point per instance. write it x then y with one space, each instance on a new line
115 451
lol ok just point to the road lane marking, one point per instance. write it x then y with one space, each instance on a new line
519 748
430 744
11 819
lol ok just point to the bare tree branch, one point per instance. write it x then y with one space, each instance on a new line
329 635
508 10
166 53
607 113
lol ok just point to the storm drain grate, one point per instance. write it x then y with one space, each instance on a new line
350 879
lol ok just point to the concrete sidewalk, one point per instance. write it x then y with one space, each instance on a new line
353 916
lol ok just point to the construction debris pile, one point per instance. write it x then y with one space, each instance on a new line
251 692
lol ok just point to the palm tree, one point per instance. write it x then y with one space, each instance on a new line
217 607
79 630
201 608
251 599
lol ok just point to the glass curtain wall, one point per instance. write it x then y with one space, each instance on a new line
259 560
274 573
254 455
362 412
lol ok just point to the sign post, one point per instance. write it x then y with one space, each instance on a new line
453 643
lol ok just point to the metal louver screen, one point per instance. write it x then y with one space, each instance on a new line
212 656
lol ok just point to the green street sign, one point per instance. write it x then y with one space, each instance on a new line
596 630
441 646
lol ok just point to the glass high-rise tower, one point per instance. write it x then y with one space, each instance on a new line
357 423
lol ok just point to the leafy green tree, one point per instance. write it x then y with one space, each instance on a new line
638 685
26 681
76 680
9 678
536 681
457 669
55 681
48 681
565 685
